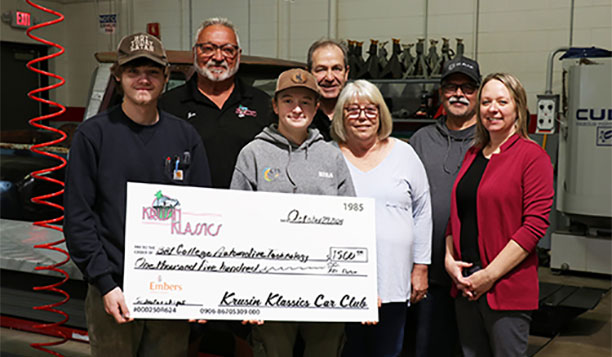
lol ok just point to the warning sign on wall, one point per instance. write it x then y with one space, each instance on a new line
108 23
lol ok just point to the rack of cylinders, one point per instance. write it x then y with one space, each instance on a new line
584 171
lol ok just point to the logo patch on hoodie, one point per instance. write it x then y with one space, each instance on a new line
270 174
326 174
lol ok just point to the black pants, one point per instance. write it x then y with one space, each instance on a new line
486 332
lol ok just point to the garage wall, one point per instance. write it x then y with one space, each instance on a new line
514 36
7 33
57 34
518 36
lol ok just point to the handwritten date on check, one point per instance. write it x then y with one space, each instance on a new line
201 253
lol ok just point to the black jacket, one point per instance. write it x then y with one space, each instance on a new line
224 131
107 151
322 123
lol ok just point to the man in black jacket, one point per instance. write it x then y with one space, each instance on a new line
224 110
134 142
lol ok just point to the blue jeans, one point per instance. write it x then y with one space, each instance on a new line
382 340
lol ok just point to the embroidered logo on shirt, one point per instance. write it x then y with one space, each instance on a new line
326 174
191 115
270 174
243 111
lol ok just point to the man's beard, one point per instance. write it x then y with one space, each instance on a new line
207 73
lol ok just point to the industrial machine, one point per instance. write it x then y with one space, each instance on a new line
584 170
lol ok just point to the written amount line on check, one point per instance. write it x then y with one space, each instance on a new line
269 261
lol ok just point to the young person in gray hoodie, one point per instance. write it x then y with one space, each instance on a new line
289 157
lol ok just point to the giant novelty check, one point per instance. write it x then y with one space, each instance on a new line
200 253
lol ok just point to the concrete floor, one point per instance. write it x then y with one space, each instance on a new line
589 335
17 343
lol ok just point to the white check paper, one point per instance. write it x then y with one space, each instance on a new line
200 253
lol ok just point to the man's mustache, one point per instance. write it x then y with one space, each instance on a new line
217 63
455 99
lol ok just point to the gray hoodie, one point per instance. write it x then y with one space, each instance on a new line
272 163
441 150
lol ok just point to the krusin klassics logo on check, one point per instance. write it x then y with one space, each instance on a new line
167 211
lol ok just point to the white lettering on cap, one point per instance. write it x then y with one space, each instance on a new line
141 42
464 64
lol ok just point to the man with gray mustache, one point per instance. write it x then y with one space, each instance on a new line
226 112
441 147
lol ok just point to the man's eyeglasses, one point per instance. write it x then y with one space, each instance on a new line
354 111
208 49
467 88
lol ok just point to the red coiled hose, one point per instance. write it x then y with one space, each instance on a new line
42 175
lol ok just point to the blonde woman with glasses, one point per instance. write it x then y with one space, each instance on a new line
390 171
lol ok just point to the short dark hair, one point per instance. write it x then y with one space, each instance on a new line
325 42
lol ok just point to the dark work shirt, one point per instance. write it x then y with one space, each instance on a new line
322 122
224 131
107 151
467 190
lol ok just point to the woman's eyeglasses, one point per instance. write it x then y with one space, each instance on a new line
354 111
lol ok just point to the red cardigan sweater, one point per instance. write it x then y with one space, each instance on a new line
513 201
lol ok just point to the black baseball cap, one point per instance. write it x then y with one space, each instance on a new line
462 65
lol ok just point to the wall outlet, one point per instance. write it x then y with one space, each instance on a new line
547 113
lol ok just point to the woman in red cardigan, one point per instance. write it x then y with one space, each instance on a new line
500 205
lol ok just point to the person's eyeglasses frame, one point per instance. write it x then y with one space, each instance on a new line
466 88
355 112
215 47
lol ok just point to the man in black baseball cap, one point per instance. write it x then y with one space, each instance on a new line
441 147
133 141
463 65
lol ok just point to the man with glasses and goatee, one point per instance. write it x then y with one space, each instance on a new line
441 147
227 113
224 110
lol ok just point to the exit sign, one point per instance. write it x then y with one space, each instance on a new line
21 19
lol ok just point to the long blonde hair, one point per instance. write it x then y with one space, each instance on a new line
519 96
